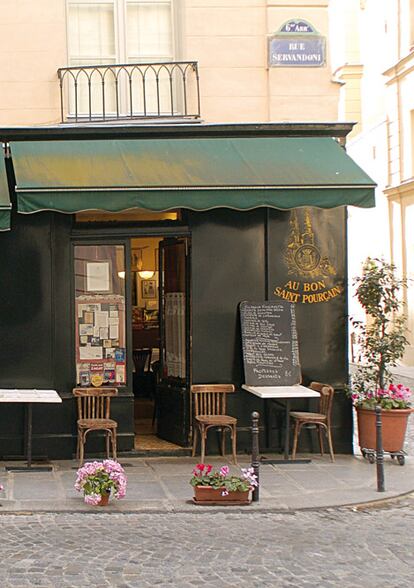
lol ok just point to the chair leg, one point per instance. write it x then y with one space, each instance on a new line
234 443
295 439
203 435
320 439
78 444
195 432
223 441
331 451
114 444
107 433
82 448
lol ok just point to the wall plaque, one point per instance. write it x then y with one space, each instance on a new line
296 44
270 343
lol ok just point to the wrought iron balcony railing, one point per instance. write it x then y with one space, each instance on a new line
94 93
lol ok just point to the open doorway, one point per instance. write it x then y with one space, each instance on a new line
160 340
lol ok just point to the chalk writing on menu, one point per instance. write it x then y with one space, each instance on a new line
270 344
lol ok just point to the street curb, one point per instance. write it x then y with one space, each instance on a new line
371 505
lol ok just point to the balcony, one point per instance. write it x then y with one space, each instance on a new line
133 91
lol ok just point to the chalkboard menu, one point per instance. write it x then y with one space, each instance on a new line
270 343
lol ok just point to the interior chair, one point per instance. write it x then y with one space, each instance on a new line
210 411
94 408
321 419
143 378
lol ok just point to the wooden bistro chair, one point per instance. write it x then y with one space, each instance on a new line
143 378
210 411
142 359
94 405
321 419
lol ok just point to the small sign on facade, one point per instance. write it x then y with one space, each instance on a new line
297 44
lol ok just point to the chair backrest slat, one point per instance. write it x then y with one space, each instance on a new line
326 399
94 403
210 399
142 360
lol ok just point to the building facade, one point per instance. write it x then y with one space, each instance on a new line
228 38
140 207
376 72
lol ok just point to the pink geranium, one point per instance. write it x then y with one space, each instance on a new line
396 396
203 475
97 478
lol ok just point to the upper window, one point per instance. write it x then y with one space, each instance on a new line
106 32
119 31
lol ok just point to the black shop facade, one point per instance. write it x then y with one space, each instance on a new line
117 240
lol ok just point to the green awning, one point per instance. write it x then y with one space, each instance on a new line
5 205
199 174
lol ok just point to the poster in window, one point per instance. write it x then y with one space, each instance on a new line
100 345
98 276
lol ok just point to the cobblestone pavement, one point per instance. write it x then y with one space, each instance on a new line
335 547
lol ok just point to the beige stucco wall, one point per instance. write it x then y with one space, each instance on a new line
32 47
227 37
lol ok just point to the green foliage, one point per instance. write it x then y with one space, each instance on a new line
382 339
203 475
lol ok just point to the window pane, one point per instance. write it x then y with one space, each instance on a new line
91 31
149 31
100 315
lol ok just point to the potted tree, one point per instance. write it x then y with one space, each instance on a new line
381 342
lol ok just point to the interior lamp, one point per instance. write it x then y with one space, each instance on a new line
145 274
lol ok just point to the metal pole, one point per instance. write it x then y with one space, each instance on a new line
255 452
379 451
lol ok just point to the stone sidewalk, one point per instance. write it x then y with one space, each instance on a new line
162 485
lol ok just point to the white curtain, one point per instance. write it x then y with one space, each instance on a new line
91 40
117 31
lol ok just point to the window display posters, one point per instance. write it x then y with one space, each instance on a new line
100 339
98 276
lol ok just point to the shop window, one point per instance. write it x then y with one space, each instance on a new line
118 32
100 315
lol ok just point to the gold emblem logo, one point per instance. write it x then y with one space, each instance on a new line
302 254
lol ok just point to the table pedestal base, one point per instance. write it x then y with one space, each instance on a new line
264 461
28 468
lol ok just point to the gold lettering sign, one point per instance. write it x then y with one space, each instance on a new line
303 258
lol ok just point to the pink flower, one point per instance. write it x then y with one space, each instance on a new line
224 470
96 477
208 468
93 499
224 493
200 466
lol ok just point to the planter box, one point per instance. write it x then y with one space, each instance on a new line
394 426
208 495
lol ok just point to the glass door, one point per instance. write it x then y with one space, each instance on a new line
173 406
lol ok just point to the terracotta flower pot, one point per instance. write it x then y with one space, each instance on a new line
208 495
394 426
104 499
